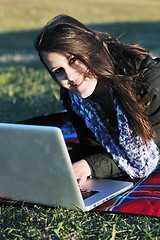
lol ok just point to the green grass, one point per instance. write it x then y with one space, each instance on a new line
26 90
45 223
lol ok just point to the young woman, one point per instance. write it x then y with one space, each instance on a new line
111 92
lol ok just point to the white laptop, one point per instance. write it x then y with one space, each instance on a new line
35 167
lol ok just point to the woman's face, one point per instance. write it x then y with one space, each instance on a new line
70 73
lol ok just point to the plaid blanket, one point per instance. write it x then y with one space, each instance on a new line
144 198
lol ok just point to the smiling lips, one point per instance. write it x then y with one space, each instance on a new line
76 84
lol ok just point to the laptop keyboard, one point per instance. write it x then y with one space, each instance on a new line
88 193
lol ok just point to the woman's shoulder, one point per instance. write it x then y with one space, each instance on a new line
149 69
152 72
150 62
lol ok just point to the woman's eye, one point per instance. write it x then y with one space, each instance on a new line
72 60
58 71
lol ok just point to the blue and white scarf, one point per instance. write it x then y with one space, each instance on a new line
133 157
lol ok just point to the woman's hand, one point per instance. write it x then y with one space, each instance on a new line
82 170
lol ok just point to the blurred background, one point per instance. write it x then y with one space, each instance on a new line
26 89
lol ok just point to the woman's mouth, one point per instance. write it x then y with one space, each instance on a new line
78 84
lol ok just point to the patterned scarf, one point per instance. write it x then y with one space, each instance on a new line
133 157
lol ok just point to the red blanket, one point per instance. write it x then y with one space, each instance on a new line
144 198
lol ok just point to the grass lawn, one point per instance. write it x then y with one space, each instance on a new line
26 90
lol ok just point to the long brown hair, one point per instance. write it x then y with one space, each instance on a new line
104 56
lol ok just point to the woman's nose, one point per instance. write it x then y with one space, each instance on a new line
70 74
